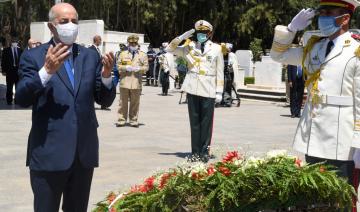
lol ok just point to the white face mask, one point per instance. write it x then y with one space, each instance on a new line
133 48
67 32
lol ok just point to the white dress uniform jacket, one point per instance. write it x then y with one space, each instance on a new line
235 65
167 62
206 70
330 125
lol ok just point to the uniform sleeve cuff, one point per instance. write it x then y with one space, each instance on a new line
107 82
44 76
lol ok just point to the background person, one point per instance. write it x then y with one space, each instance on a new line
296 84
203 83
9 66
151 54
96 45
131 65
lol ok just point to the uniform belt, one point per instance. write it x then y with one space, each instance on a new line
203 73
337 100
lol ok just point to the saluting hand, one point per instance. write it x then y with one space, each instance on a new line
55 57
108 61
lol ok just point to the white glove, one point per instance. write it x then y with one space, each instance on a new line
129 68
301 20
356 158
186 35
136 69
218 97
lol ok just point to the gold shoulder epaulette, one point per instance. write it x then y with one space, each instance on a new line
357 52
187 42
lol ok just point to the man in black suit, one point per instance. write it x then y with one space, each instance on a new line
96 44
296 84
10 66
61 80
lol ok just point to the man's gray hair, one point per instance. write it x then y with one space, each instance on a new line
53 15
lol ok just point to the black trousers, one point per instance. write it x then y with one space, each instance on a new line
296 96
346 168
201 114
164 80
73 184
229 80
150 72
11 80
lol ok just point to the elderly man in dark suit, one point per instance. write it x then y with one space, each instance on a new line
61 80
9 66
96 44
296 84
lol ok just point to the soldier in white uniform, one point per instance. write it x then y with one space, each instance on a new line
203 83
167 70
231 74
329 129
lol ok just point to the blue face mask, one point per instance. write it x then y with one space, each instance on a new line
201 37
327 25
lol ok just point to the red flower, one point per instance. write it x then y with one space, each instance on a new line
112 210
225 171
111 197
195 176
210 170
149 183
147 186
231 157
164 178
298 162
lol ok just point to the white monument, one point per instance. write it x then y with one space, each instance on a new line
268 73
87 30
40 31
245 61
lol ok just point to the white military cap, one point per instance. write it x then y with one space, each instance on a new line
229 45
347 4
203 25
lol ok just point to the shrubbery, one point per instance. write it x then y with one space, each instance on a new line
236 183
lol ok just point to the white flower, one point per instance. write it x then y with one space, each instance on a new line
197 168
276 153
238 162
253 162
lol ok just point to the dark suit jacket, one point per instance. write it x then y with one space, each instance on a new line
7 61
291 72
63 119
92 47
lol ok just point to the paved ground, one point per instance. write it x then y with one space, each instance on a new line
128 155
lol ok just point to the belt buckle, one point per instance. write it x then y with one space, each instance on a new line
202 72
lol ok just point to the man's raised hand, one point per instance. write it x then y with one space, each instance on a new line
302 20
55 57
187 34
108 61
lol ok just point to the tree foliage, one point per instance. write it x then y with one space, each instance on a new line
236 21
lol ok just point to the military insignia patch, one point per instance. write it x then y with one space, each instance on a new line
347 43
